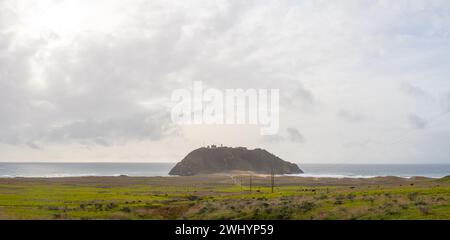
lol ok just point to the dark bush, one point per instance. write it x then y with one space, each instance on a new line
350 197
110 206
192 198
125 209
307 206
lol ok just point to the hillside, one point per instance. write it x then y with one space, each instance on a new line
226 159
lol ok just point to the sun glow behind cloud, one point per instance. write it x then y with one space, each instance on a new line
64 20
59 24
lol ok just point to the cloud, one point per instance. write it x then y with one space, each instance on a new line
351 117
447 102
417 121
101 73
292 135
295 95
273 139
295 136
413 91
33 146
150 126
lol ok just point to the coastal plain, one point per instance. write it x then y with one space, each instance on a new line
225 196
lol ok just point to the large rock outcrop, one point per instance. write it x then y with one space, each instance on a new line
225 159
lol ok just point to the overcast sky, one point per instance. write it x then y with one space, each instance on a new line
91 80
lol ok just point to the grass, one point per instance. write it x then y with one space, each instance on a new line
219 198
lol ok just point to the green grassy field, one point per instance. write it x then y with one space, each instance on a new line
224 197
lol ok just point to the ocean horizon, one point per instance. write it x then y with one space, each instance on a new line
79 169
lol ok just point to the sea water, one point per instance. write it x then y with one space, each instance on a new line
162 169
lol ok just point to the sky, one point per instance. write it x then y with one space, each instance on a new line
360 82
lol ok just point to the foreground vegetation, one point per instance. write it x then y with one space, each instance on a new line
224 197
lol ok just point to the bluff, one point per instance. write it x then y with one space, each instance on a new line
225 159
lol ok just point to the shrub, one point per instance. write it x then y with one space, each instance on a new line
58 216
420 203
125 209
412 196
424 210
350 197
203 210
322 197
307 206
387 205
339 200
284 214
192 197
391 211
340 197
110 206
404 206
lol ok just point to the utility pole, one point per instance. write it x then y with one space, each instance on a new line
241 182
272 179
250 183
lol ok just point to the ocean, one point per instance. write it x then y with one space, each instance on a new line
49 170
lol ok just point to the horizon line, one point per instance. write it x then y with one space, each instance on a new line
307 163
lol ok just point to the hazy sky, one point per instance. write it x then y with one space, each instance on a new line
91 80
